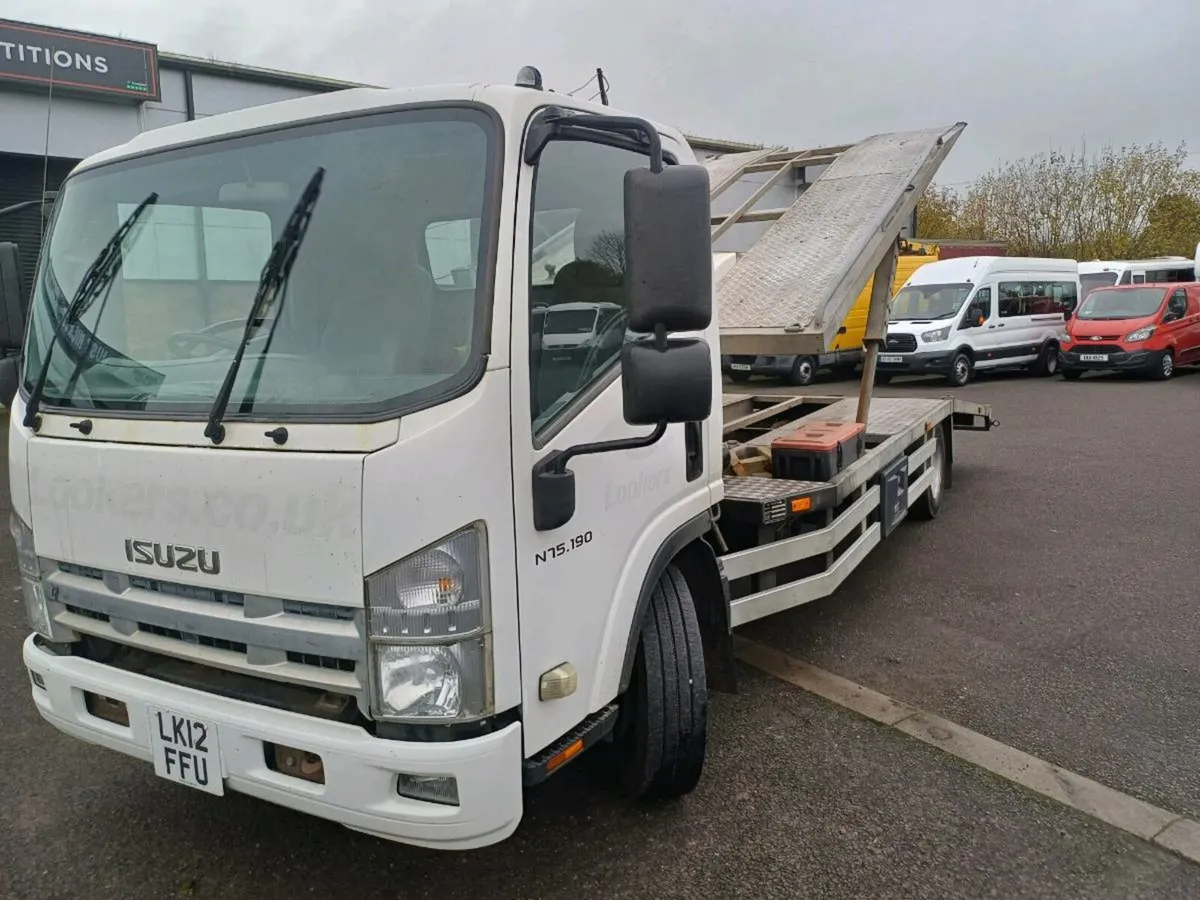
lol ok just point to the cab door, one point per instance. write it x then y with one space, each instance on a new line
579 583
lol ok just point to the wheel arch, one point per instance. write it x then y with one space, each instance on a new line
687 548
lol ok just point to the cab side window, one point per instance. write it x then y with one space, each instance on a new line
1177 306
576 270
980 307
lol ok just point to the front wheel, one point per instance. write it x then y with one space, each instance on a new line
662 732
1166 366
804 369
960 370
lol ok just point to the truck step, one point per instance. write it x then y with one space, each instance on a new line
587 733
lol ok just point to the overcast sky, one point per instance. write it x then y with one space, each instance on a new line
1027 75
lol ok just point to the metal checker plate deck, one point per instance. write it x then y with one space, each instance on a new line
793 275
888 416
768 497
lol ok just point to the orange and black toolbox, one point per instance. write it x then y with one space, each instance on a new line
818 450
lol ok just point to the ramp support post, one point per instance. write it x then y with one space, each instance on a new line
876 332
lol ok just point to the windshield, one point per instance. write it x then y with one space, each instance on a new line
570 321
1122 303
1093 280
928 301
382 311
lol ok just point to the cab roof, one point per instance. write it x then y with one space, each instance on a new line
509 101
972 269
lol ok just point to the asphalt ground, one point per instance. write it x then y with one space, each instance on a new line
1052 606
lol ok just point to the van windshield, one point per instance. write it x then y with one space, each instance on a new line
1121 303
382 309
1093 280
928 301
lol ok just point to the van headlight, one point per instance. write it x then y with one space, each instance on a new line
1142 334
429 629
938 334
37 613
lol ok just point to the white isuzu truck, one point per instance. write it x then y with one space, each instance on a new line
305 508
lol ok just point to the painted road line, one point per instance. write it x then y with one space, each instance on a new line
1137 817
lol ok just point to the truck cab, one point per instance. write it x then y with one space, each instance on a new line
294 518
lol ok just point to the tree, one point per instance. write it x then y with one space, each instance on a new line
938 213
1172 228
1116 204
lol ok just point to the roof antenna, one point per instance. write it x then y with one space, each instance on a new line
46 162
603 83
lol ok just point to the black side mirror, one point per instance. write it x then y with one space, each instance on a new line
668 254
12 309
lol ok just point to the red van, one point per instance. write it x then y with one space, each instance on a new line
1138 327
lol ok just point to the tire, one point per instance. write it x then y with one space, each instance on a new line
739 377
662 732
1072 374
960 370
1047 362
804 370
1165 368
929 504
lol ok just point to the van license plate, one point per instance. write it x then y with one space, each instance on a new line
185 750
740 367
1093 357
891 359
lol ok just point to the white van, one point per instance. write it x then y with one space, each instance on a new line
1161 270
979 312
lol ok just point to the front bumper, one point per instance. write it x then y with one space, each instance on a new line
933 362
1126 361
360 770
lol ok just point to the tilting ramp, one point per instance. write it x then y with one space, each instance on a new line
792 290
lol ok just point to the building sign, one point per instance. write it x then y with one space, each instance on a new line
77 63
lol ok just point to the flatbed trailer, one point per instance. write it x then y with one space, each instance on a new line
790 542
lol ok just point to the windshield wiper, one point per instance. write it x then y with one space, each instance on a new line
271 285
99 275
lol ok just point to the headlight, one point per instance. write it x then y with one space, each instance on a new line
37 614
1064 337
1142 334
938 334
429 621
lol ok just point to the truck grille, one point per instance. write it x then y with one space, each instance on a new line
901 343
318 645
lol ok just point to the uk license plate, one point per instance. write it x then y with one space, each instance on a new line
186 750
890 359
740 367
1093 357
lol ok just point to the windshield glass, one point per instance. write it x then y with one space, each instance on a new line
928 301
383 309
1121 304
1093 280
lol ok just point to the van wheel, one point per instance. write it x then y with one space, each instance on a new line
1047 361
960 370
804 369
929 504
1166 366
662 732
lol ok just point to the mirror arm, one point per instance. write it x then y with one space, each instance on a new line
554 483
556 463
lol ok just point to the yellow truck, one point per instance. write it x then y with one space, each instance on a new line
847 350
